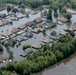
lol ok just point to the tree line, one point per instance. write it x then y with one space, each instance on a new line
37 3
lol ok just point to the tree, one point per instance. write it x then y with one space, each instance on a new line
10 66
45 2
22 5
59 55
55 8
9 8
44 30
41 8
25 46
68 16
46 47
14 10
56 14
49 14
64 9
26 72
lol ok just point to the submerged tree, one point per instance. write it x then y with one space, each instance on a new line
49 14
68 16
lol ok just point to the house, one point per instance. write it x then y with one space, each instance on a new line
71 29
19 38
30 23
15 30
26 52
38 45
52 37
14 19
22 26
47 40
49 25
63 20
5 21
29 34
38 20
62 32
66 29
2 15
11 42
37 30
6 33
20 16
71 11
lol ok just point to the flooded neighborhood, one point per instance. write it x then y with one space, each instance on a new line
22 35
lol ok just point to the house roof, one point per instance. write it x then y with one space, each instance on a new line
71 11
37 20
29 34
36 30
11 42
30 23
22 26
47 40
62 32
26 52
49 25
38 45
5 21
6 33
14 30
20 15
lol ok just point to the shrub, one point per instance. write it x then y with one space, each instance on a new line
44 30
53 33
25 46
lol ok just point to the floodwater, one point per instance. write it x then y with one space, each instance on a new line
65 67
